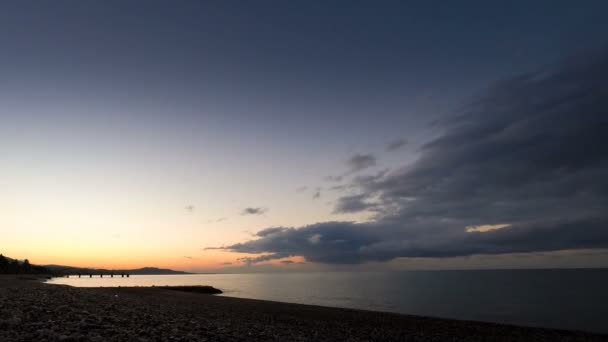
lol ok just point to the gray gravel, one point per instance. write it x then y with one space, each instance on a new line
32 311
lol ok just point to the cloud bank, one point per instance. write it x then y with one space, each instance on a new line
522 168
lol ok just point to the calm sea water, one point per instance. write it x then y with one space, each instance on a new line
566 299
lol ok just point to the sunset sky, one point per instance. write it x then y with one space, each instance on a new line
304 135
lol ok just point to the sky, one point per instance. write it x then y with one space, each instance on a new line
233 136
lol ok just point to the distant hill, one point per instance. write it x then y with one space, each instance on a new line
13 266
138 271
154 270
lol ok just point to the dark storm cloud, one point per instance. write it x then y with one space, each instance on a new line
346 242
524 168
287 262
254 211
396 145
360 162
343 239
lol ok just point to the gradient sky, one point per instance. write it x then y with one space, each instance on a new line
177 134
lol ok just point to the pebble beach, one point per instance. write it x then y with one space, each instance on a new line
33 311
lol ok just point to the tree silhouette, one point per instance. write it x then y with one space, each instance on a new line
3 264
12 266
26 267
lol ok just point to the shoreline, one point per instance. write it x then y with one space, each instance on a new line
33 310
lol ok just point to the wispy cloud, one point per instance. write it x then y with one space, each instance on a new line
360 162
221 219
317 193
334 178
396 145
254 211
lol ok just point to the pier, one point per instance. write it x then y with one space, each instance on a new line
101 274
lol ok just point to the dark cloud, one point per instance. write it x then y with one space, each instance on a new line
226 263
360 162
189 257
343 239
254 260
287 262
360 202
523 168
353 204
396 145
254 211
301 189
190 208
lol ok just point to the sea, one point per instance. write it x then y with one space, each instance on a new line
575 299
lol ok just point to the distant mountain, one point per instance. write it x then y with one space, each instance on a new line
138 271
